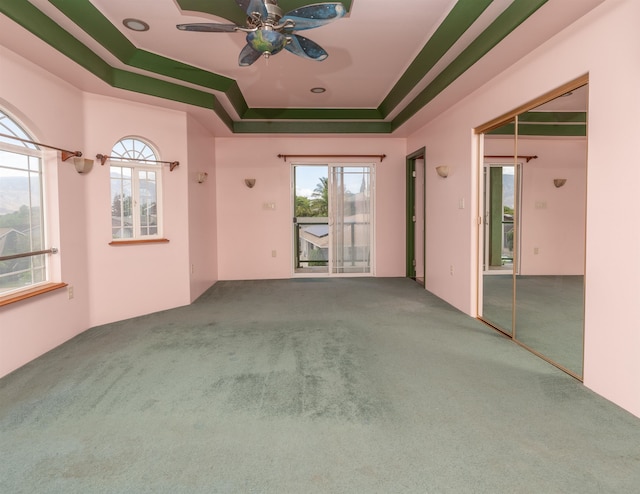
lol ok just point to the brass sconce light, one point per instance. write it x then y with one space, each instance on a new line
202 177
559 182
443 171
250 182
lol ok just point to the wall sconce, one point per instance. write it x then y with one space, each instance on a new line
443 171
82 165
202 177
250 182
559 182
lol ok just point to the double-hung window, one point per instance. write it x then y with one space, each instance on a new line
136 180
22 216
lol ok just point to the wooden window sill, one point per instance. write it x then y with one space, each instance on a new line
139 242
30 292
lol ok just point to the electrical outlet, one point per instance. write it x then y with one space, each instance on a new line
192 268
274 253
70 291
451 270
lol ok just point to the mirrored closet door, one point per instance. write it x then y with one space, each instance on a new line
534 173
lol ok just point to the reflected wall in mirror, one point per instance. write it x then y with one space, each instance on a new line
533 255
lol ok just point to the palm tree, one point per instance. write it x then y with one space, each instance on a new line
320 198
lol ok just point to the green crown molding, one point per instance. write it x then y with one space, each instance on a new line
500 28
32 19
96 25
547 124
87 17
553 117
301 127
461 17
311 114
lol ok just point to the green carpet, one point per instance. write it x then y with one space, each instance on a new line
308 386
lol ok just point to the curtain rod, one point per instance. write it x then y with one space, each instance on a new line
103 158
379 156
528 158
64 153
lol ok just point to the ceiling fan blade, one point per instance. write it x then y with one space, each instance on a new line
251 6
248 55
208 27
304 47
314 15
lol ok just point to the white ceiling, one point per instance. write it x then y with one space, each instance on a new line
369 51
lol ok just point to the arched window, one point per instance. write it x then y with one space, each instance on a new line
22 216
135 191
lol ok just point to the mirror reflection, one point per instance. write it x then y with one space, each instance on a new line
533 237
499 174
549 309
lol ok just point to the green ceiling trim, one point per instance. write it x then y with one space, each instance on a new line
553 117
461 17
91 20
84 14
33 20
501 27
298 127
95 24
542 130
311 114
229 9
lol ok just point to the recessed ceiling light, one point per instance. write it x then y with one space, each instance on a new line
318 90
136 24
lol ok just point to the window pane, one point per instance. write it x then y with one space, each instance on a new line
134 189
121 202
148 203
21 220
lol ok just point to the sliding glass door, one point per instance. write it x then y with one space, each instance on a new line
351 219
333 219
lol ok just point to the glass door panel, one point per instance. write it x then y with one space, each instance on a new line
311 219
351 219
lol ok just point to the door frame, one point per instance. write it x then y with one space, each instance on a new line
410 213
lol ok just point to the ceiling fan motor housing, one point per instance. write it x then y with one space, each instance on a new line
274 13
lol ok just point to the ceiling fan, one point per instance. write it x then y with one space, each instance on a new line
269 31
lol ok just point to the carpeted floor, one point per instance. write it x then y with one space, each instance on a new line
549 314
308 386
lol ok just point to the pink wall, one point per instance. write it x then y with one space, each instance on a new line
248 233
553 219
602 44
110 283
203 254
127 281
51 111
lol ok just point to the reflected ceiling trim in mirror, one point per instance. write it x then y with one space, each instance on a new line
509 116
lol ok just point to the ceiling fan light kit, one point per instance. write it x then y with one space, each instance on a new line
269 31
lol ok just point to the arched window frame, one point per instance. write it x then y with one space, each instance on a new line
136 191
23 230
